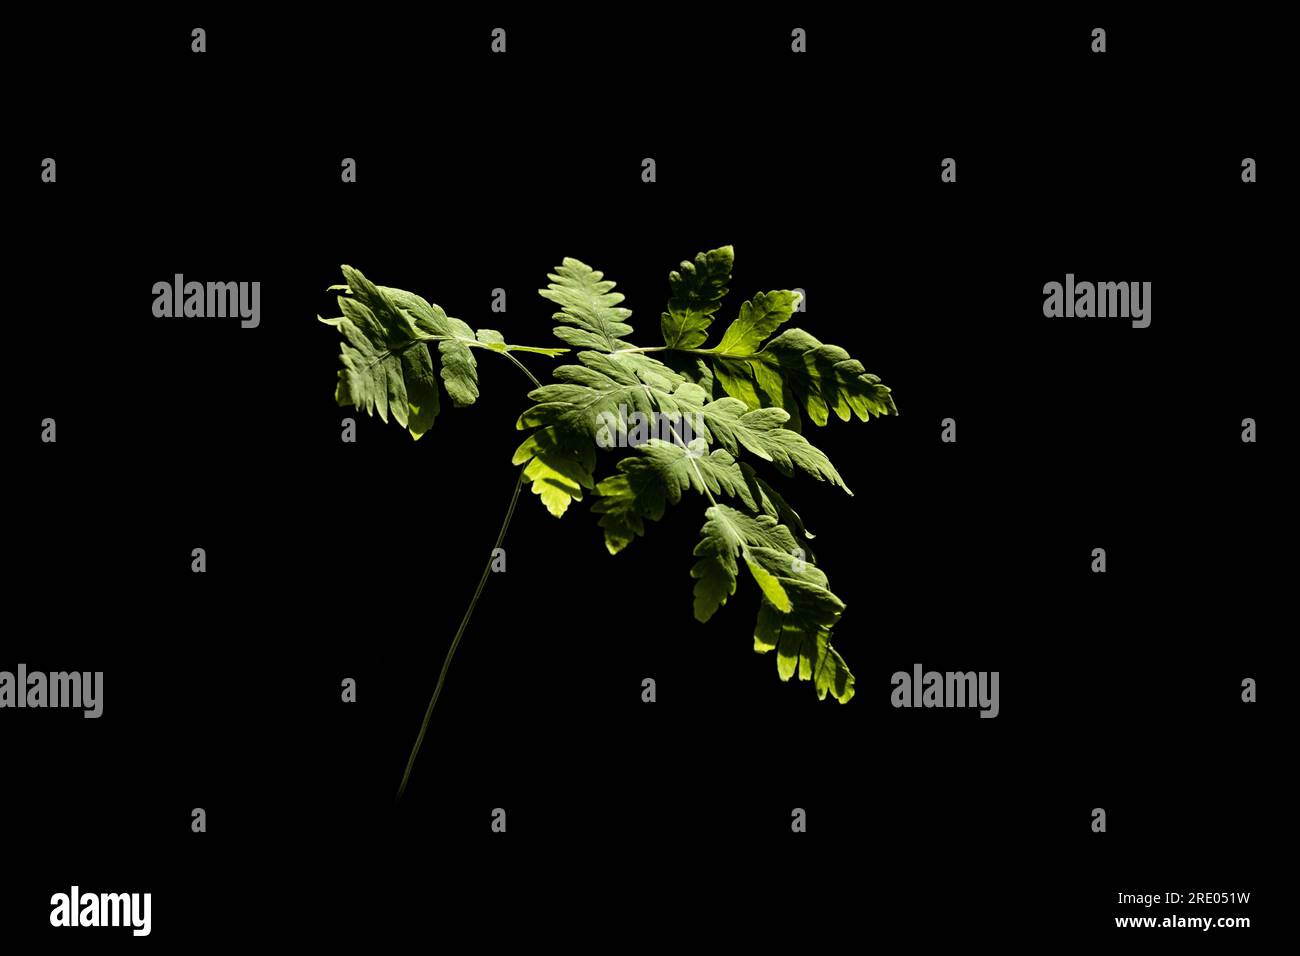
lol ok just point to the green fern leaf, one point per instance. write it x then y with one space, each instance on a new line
559 464
386 364
697 291
762 432
590 405
459 369
798 609
803 647
794 371
590 312
759 318
386 358
656 476
580 409
729 532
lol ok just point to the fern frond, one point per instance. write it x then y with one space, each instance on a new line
743 399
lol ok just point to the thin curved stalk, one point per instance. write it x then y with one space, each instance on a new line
469 611
455 641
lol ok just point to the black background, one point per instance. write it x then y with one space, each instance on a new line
628 823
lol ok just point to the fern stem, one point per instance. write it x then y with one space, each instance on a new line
674 348
469 611
455 641
533 378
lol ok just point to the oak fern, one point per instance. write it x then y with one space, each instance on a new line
727 412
